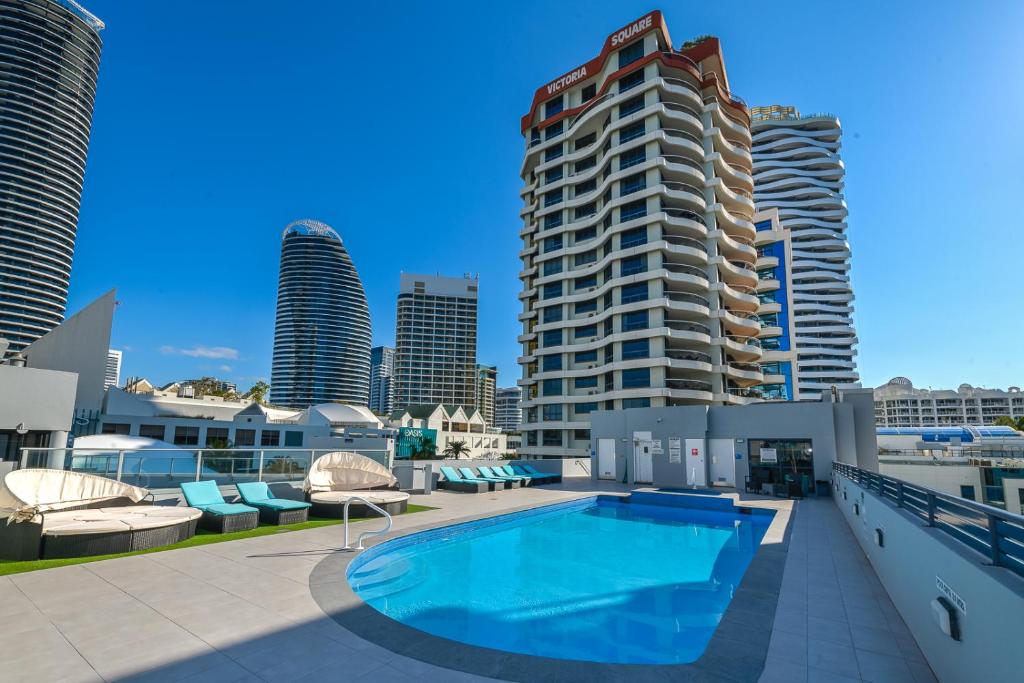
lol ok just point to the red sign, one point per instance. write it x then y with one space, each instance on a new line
693 451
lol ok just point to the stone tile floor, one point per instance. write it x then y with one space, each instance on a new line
242 611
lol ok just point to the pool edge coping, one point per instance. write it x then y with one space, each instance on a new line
736 652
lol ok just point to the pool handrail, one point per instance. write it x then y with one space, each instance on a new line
372 532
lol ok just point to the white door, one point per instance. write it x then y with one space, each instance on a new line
723 463
696 472
606 458
643 458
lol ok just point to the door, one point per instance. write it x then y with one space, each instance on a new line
606 458
723 463
696 467
643 458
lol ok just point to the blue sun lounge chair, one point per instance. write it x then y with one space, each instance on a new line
530 479
272 510
499 473
456 482
549 477
498 481
217 515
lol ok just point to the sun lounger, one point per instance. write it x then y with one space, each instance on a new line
453 481
218 515
507 483
272 510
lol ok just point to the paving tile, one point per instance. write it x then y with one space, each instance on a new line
879 668
829 630
783 671
875 640
821 676
788 646
838 659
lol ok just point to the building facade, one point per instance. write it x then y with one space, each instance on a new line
435 340
486 386
639 281
382 376
799 172
112 375
446 424
508 408
49 64
899 404
322 332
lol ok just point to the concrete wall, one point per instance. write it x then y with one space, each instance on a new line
908 564
944 478
865 432
41 400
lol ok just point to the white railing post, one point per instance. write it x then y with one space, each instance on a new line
259 476
199 464
359 541
120 464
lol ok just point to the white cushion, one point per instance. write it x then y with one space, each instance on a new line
375 497
113 519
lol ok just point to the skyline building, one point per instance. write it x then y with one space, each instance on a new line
486 386
898 403
435 341
112 373
798 170
382 376
639 281
508 408
322 331
49 66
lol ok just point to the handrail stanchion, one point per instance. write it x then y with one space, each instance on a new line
359 541
199 464
931 509
993 540
259 476
120 465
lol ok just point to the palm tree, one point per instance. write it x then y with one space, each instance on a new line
455 449
258 392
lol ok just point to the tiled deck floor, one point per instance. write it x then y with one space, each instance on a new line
242 611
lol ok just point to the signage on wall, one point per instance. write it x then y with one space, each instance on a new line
951 595
675 449
769 455
694 452
656 448
633 29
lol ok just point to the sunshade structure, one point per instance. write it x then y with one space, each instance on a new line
337 477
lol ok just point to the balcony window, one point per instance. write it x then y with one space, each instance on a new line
631 80
270 437
636 403
631 184
551 363
584 409
586 210
635 320
588 92
586 307
586 357
553 197
632 158
216 437
631 53
553 267
632 132
186 436
552 243
552 314
586 140
552 413
553 175
634 292
637 348
631 106
585 382
636 378
633 265
552 290
583 188
553 106
152 431
552 153
584 234
552 387
633 238
531 437
552 338
586 332
585 257
551 437
553 220
632 210
554 130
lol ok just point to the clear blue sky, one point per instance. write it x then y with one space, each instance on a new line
217 123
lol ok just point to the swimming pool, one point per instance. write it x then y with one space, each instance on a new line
597 580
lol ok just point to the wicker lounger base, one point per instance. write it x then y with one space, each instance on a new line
226 524
466 486
82 545
356 509
279 517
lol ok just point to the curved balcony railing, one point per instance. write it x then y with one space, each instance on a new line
673 106
695 356
683 269
688 327
675 55
745 393
688 385
676 133
746 341
684 213
683 161
678 241
688 297
746 367
683 187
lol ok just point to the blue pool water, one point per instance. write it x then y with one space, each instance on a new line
595 580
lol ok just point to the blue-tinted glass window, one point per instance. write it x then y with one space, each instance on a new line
552 338
636 403
631 106
553 152
586 307
635 320
552 314
553 106
585 234
627 185
585 257
584 408
633 265
636 378
550 363
631 80
631 53
634 292
637 348
633 238
553 220
633 210
588 209
553 267
552 290
632 157
584 282
552 413
552 175
552 387
631 132
553 197
583 188
586 382
586 331
554 130
586 356
552 243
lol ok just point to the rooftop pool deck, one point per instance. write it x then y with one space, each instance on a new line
279 608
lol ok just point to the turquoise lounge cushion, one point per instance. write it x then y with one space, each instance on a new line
450 474
280 504
253 491
519 470
507 469
226 509
201 493
469 474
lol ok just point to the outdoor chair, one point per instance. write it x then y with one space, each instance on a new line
272 510
218 515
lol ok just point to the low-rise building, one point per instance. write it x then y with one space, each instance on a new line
994 481
449 424
899 404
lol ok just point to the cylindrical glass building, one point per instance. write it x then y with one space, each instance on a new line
322 334
49 63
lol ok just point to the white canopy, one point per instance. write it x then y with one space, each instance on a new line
26 493
344 471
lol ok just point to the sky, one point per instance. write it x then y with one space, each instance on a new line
218 123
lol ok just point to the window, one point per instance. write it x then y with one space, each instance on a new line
630 184
186 436
585 257
293 439
636 403
632 158
588 139
584 188
553 220
633 238
553 106
967 492
634 292
584 234
552 153
245 437
553 362
637 209
216 437
552 338
552 387
551 413
531 438
585 382
637 348
551 437
631 106
631 80
633 265
586 357
632 132
586 210
552 243
588 92
553 267
554 130
636 378
552 314
552 290
586 332
585 282
636 320
584 435
553 197
116 428
552 175
152 432
631 53
586 307
270 437
585 408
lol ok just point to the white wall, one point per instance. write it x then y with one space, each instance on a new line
944 478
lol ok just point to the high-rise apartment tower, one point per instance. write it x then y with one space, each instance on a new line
49 63
639 286
112 373
435 335
322 333
508 409
486 385
382 379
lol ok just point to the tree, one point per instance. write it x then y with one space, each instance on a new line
258 392
455 449
426 449
1007 421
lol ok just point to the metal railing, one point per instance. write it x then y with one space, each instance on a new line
374 532
995 533
155 468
